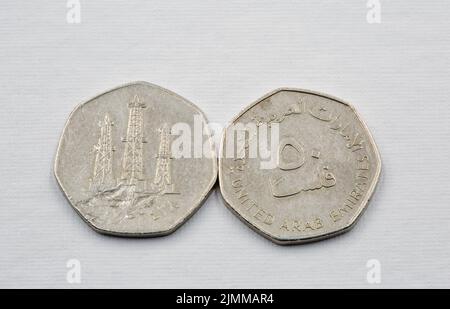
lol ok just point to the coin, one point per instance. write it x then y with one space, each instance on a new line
116 163
298 166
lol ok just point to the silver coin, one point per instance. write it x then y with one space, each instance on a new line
298 166
116 166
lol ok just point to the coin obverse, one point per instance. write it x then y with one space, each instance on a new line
319 176
115 164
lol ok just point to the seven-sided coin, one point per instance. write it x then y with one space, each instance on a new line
298 166
125 164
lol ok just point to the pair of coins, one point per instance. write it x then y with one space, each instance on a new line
139 160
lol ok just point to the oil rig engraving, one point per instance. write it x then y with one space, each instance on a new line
133 166
131 187
163 175
115 198
102 176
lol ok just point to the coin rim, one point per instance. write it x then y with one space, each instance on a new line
180 222
301 240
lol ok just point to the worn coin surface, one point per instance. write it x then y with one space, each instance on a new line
312 174
116 165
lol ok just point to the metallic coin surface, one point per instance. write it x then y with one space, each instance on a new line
116 166
298 166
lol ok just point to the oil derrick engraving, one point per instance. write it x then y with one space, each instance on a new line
162 182
132 164
102 177
128 196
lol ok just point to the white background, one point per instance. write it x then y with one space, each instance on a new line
223 55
